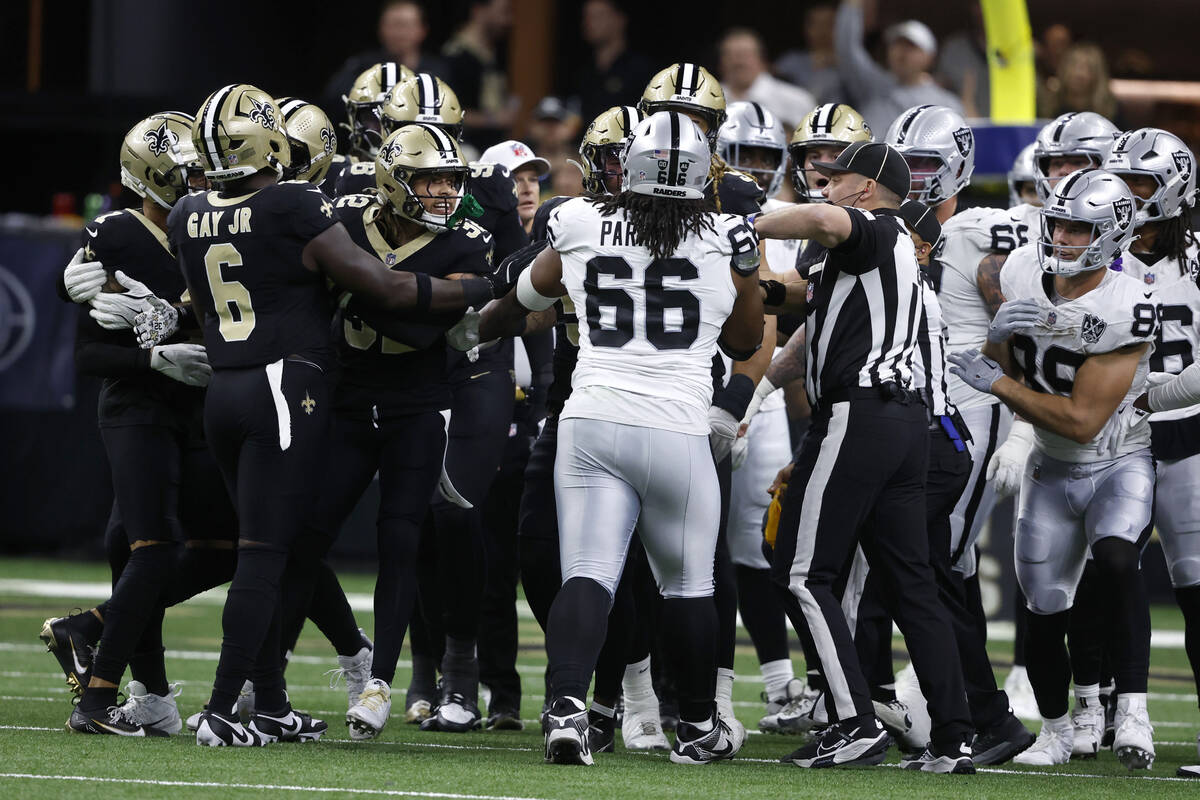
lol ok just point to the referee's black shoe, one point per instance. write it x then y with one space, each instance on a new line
1001 742
860 741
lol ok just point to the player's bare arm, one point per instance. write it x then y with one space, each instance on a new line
742 333
987 276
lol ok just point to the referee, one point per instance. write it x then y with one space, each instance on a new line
859 478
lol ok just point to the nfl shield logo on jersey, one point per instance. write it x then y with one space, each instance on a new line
1093 328
389 259
1148 278
1051 318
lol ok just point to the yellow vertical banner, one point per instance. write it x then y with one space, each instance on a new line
1010 61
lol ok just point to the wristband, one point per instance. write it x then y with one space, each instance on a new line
776 293
477 292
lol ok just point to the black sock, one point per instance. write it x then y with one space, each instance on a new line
267 673
689 630
134 603
1021 627
147 664
460 667
1189 603
615 654
1129 638
246 621
1089 626
762 614
330 611
1047 662
98 699
575 633
199 569
88 625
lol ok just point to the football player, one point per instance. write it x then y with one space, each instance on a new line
312 139
1079 335
363 103
618 408
256 285
1022 179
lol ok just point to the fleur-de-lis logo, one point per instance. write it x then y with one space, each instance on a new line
262 113
160 139
329 140
391 152
308 403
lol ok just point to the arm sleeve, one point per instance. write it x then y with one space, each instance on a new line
539 347
96 355
418 335
861 76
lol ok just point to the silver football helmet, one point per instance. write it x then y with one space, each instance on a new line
1082 133
1097 198
1164 157
750 125
1023 171
666 155
940 134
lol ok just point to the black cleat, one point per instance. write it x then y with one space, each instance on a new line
505 720
602 732
844 744
455 713
694 746
226 730
566 724
286 726
73 651
113 721
933 760
1001 742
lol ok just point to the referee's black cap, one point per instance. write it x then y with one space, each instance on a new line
875 160
922 219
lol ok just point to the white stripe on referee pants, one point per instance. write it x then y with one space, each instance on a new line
852 596
275 381
810 515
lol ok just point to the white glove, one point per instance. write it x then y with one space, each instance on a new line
739 452
723 429
764 389
155 326
117 311
83 279
977 370
186 363
1013 316
1007 464
464 336
1118 428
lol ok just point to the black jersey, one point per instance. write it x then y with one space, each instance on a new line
738 193
355 177
133 393
242 258
402 377
566 330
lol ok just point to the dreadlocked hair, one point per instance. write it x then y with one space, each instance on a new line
1175 235
660 224
716 173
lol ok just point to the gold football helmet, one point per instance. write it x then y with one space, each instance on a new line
366 95
828 125
689 88
158 158
604 137
412 151
238 132
422 98
311 138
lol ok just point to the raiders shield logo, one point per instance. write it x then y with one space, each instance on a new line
1093 328
262 113
1183 163
1123 209
964 140
160 139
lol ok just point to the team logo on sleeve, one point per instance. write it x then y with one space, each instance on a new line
1093 328
1123 209
964 140
1183 163
160 139
262 113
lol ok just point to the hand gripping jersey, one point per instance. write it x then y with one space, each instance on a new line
401 377
242 260
967 238
1115 314
648 327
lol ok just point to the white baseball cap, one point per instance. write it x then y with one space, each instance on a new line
513 155
914 31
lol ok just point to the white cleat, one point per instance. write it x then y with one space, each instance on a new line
1020 694
796 716
355 670
1133 741
152 711
1052 747
736 730
1088 719
897 721
769 723
641 728
369 714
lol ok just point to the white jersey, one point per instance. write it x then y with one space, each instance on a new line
781 253
1173 286
1115 314
649 326
967 238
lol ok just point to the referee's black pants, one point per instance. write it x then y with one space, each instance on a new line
861 459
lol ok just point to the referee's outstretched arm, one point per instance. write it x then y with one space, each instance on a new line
827 224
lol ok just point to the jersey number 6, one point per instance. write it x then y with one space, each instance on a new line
229 296
658 300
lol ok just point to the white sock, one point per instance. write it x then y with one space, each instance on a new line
1060 722
1018 672
637 684
725 686
776 676
704 726
1130 701
1091 693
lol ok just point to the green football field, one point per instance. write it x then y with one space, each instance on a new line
38 758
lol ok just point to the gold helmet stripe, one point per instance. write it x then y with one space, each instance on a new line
212 115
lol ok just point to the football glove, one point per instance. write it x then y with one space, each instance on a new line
464 336
977 370
1127 419
739 452
155 325
116 311
1013 316
186 363
723 429
1007 464
83 279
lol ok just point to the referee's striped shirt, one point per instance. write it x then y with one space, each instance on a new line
864 309
929 356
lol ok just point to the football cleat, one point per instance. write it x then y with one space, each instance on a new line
73 652
419 701
1188 771
245 703
151 710
694 746
287 726
737 731
769 722
566 726
369 714
113 721
844 744
1020 694
355 670
456 713
225 730
807 714
641 728
1133 741
1052 747
602 732
893 715
1001 742
1088 719
932 760
505 720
